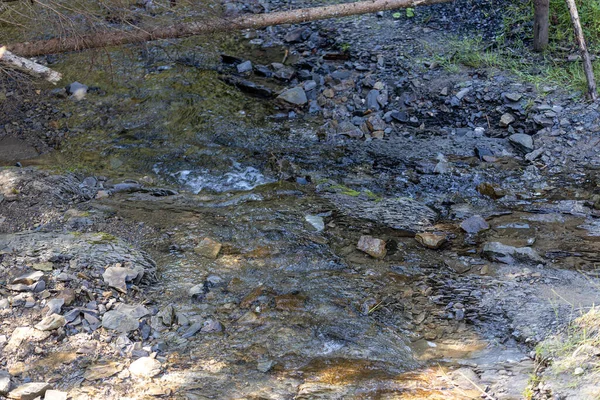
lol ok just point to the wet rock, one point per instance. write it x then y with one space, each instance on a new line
316 221
474 225
402 213
117 276
51 323
297 35
29 391
431 240
244 67
5 383
496 251
120 321
145 367
290 302
285 73
208 248
490 190
55 395
506 120
247 86
102 371
522 142
265 366
372 246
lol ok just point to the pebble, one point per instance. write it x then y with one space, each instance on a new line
474 225
145 367
51 323
296 96
29 391
208 248
5 383
431 240
372 246
506 120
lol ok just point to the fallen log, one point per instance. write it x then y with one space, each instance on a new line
585 55
28 66
257 21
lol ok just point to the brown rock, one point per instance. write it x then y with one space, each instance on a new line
491 191
208 248
101 371
431 240
290 302
372 246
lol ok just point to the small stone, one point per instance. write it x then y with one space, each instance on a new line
120 321
211 326
474 225
295 96
43 266
316 221
55 395
329 93
459 266
431 240
246 66
51 323
102 371
372 246
513 96
208 248
485 270
506 120
54 306
264 366
117 277
578 371
145 367
5 384
192 330
77 90
490 190
462 93
522 142
28 279
29 391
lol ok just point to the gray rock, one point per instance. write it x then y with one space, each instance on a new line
211 326
309 85
5 384
117 277
120 321
522 142
192 330
29 391
4 304
54 306
372 103
145 367
196 290
513 96
295 96
246 66
208 248
29 278
506 120
51 322
77 90
496 251
462 93
138 311
474 225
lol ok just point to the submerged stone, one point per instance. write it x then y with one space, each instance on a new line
496 251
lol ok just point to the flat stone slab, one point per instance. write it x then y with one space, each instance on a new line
120 321
29 391
145 367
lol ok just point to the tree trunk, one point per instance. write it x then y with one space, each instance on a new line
107 39
540 24
585 56
28 66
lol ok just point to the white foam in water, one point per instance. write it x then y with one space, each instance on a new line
239 179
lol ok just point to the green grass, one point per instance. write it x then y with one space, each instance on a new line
512 51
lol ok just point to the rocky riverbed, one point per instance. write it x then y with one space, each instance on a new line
316 211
